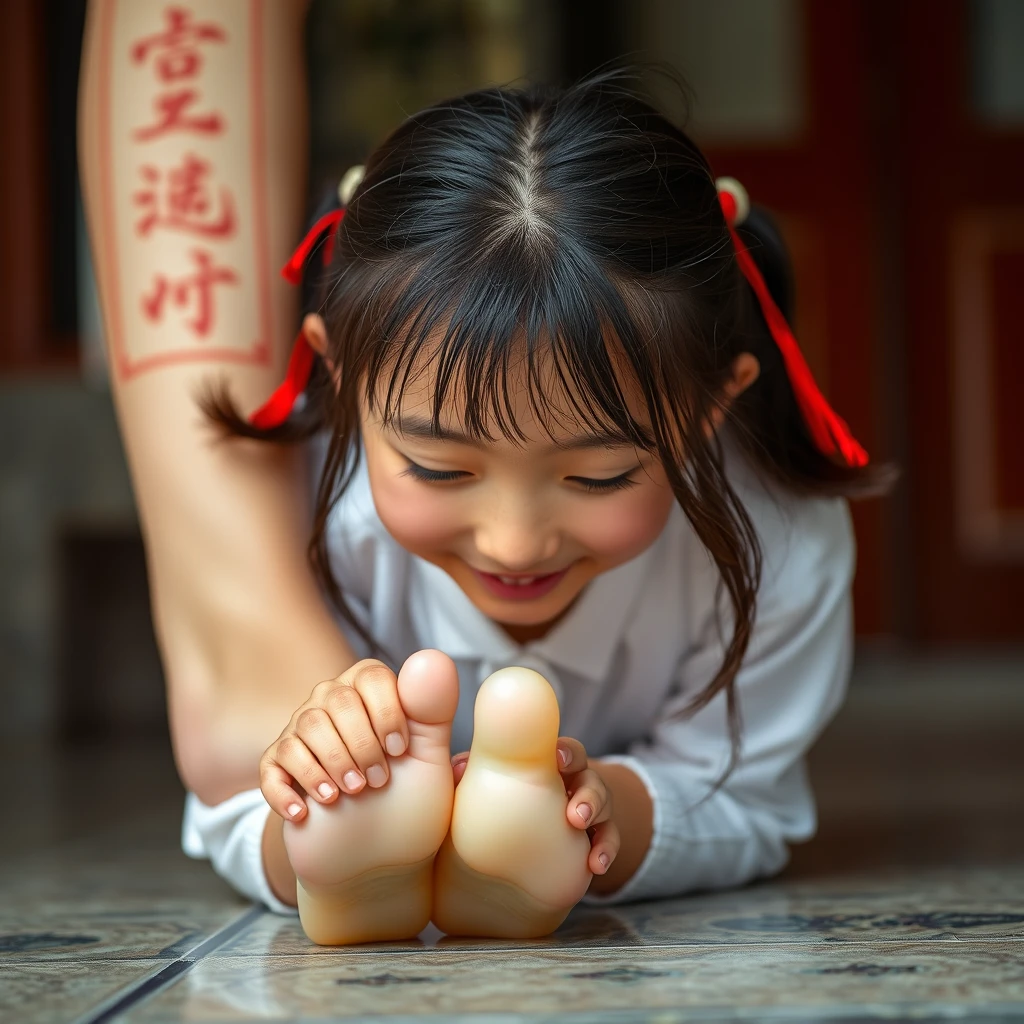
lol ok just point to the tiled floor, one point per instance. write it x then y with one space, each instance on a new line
909 905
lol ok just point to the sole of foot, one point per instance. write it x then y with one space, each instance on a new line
364 863
511 866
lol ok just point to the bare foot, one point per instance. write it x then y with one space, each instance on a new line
364 863
511 866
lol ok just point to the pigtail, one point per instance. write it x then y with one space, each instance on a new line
308 416
297 410
767 417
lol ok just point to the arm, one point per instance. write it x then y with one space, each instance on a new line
244 633
675 837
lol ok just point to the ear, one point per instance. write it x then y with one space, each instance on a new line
745 370
315 331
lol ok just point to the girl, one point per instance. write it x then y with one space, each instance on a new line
568 428
564 425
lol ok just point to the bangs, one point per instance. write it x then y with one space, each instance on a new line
476 340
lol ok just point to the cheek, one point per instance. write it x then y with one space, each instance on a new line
417 519
625 527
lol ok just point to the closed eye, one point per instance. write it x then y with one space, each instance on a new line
433 476
615 483
440 476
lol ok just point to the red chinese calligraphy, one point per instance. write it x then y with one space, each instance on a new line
186 201
172 116
177 57
195 290
177 47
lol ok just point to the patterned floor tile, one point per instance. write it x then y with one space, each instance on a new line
87 903
55 993
939 906
826 981
866 908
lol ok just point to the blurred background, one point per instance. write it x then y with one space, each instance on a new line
886 135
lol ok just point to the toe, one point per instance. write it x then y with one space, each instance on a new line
428 686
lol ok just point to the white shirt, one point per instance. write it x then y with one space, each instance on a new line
637 645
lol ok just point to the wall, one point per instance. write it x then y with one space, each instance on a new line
61 465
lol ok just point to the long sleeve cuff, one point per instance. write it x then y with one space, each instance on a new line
698 843
230 834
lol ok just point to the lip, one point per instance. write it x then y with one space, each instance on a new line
541 586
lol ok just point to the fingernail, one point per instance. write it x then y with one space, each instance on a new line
324 790
585 811
605 860
394 744
294 810
352 779
456 761
563 756
376 776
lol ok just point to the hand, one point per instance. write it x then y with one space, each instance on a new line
590 803
336 742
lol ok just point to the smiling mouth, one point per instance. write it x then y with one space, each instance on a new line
522 587
520 580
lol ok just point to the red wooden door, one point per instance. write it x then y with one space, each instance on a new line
961 161
820 184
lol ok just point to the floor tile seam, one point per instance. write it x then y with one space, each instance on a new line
166 975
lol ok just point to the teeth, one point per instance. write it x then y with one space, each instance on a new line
513 581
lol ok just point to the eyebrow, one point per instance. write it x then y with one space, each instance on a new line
424 430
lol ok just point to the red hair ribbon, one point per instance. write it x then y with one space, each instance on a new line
279 406
830 433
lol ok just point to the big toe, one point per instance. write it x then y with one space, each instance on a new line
428 687
516 717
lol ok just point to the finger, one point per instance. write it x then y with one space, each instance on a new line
572 755
279 792
459 763
589 800
604 847
378 687
315 727
307 773
350 718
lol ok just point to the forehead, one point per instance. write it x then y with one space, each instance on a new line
522 395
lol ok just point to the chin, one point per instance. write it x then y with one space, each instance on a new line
534 613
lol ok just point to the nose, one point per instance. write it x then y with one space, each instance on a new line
514 540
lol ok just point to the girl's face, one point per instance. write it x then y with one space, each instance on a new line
522 528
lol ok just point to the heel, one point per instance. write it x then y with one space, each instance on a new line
382 905
467 902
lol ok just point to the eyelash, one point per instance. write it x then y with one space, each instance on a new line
437 476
